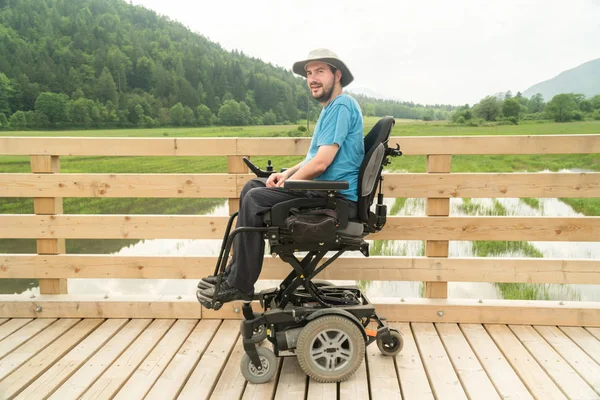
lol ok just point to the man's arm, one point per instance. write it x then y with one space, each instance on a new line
318 164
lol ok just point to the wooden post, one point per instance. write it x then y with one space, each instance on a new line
438 207
49 206
235 165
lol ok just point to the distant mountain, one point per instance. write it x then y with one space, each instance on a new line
583 79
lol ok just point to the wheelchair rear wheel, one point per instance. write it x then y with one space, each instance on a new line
330 348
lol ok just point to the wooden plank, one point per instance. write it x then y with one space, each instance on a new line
581 362
594 331
153 366
584 340
119 185
439 207
473 377
537 312
321 391
410 145
12 326
113 379
204 377
530 372
459 269
572 385
235 165
357 386
171 381
491 311
383 379
21 336
96 146
58 373
96 306
413 378
231 383
539 144
75 226
495 185
41 166
436 186
31 348
292 381
14 383
3 320
81 380
443 378
503 377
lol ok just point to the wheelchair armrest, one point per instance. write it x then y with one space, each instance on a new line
332 186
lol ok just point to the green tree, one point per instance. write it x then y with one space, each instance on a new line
270 118
489 108
561 108
6 93
586 106
53 106
595 102
106 89
189 117
3 121
177 115
536 103
233 113
205 116
80 112
18 121
511 107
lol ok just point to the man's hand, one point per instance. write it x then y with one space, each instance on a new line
275 180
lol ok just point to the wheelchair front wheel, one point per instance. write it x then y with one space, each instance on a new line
392 346
258 335
330 348
268 363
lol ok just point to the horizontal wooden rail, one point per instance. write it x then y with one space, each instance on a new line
470 269
540 185
409 310
411 145
72 226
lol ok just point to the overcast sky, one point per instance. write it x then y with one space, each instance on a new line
426 51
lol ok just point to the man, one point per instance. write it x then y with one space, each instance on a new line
336 153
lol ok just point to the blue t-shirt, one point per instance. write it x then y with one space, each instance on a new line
341 122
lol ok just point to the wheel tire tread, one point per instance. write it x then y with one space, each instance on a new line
304 340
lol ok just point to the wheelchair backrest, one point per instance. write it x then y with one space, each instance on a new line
370 170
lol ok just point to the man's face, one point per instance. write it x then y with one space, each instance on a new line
321 81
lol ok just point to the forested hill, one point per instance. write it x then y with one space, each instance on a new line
104 63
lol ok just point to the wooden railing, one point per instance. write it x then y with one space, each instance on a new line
51 227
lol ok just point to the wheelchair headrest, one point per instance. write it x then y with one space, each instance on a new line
370 170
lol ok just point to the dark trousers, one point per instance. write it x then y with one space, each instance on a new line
249 247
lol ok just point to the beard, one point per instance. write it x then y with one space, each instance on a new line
326 95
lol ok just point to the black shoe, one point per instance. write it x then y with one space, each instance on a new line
226 294
211 280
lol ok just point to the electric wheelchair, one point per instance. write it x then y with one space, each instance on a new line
326 326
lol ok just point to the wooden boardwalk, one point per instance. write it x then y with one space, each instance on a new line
199 359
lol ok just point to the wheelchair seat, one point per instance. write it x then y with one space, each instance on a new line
327 326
